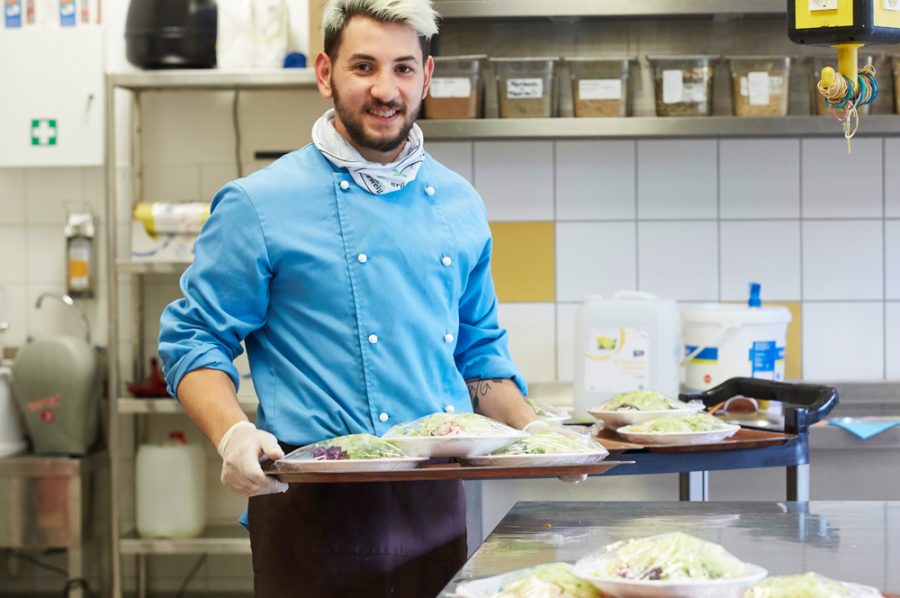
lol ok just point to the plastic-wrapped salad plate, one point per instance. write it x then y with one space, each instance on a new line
549 413
551 580
452 435
355 452
672 565
544 449
699 428
809 585
639 406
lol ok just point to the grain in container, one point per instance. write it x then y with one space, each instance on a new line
760 85
683 84
456 88
600 86
525 86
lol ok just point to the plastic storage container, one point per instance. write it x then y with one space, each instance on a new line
727 341
170 489
760 85
525 86
456 88
683 84
815 73
629 342
600 86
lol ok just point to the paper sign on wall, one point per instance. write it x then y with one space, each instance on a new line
817 5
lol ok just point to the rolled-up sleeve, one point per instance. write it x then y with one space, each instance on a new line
226 292
482 349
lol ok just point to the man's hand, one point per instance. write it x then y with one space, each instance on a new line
538 426
241 449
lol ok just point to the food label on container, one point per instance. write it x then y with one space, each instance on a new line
600 89
758 88
775 86
695 92
763 357
616 360
450 87
673 86
816 5
892 4
522 89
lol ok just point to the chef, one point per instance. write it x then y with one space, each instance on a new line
356 270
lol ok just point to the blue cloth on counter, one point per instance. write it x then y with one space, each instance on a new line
864 429
358 311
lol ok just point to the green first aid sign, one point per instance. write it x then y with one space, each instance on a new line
43 131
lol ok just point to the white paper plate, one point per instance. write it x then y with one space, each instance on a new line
616 419
641 588
347 465
453 446
488 586
679 437
546 460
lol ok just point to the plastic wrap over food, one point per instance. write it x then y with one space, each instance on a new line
548 412
554 579
642 400
350 447
673 556
698 422
553 441
164 218
809 585
451 424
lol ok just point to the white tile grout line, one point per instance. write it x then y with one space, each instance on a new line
800 214
637 228
719 218
555 270
884 364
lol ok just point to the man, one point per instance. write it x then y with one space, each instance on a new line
356 270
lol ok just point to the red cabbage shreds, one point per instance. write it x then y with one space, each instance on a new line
332 453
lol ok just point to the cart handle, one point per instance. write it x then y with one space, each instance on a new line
804 404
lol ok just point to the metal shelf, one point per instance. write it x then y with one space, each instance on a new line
213 79
222 539
133 267
450 9
128 405
651 127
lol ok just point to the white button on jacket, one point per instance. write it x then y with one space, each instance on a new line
449 408
373 338
446 260
362 258
344 185
429 190
448 338
383 417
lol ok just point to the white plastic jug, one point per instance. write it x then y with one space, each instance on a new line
629 342
726 341
170 489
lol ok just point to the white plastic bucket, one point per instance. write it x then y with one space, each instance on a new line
728 341
629 342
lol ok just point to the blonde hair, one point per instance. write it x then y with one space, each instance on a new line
418 14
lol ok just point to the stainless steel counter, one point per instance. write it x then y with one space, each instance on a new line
853 541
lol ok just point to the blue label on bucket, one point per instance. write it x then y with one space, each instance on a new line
707 355
763 355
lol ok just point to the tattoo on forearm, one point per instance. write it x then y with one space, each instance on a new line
479 388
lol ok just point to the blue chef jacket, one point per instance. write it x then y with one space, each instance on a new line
358 311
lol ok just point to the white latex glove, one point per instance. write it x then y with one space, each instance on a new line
536 427
241 448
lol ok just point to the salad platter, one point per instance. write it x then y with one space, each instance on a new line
743 438
639 406
452 435
553 447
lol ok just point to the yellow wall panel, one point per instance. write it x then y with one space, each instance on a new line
523 262
813 19
793 359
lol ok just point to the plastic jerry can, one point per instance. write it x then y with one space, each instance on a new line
629 342
170 489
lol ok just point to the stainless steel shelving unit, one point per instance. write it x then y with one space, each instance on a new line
130 406
484 9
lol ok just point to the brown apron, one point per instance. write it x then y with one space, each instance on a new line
397 539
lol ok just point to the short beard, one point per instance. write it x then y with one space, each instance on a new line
358 134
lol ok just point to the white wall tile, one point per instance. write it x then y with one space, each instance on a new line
678 260
595 180
14 310
677 179
12 196
843 341
891 178
47 190
759 178
455 155
842 259
766 252
594 258
892 340
14 251
46 255
172 182
837 185
892 259
54 318
515 179
215 176
531 328
565 340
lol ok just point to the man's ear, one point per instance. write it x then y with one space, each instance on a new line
429 70
323 74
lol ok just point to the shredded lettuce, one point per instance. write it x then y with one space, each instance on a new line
450 424
667 557
545 411
354 446
641 400
554 580
808 585
544 443
697 422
